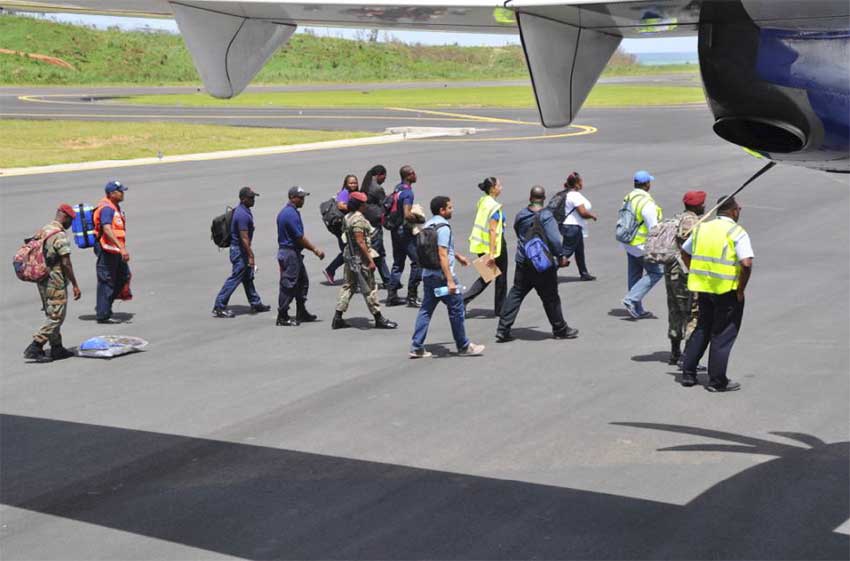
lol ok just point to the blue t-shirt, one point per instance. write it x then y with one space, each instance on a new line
289 228
243 221
444 239
405 195
107 214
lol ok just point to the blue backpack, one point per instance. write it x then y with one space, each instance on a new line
83 226
535 247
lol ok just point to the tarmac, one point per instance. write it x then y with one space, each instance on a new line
233 438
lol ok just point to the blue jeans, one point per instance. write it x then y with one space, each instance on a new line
404 247
241 274
454 303
640 284
338 260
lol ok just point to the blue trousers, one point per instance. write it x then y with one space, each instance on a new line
338 260
640 284
112 275
294 283
454 303
241 274
404 247
381 260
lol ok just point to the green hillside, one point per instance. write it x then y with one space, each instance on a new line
101 57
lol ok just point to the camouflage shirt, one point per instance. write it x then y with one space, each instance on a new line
356 222
56 246
687 221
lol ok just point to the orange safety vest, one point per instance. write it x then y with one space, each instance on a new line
118 226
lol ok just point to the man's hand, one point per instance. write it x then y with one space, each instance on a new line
77 293
462 260
490 260
319 253
371 265
125 255
452 286
740 295
563 262
251 262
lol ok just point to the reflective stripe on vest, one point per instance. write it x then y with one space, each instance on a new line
714 261
637 208
118 226
479 239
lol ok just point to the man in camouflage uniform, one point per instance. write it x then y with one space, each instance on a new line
53 290
681 303
359 266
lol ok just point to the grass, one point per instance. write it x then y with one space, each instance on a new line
113 57
603 95
38 143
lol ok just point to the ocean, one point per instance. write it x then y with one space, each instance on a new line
652 59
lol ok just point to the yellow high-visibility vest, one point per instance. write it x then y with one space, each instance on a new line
714 261
638 199
479 239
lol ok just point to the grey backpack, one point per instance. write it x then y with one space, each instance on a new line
627 222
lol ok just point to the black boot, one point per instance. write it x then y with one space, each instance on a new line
35 351
284 320
59 352
338 322
303 315
675 352
383 323
392 298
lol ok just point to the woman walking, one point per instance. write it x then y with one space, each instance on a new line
574 228
373 210
349 185
488 240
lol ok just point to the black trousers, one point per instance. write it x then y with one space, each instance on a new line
574 245
294 283
718 324
527 278
501 283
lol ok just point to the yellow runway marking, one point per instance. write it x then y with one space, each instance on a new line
60 116
585 129
482 118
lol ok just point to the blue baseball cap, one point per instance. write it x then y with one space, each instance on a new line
113 186
643 176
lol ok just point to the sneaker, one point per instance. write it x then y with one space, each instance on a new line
644 314
413 302
216 313
504 337
729 387
420 353
631 308
588 277
260 308
328 276
568 333
472 350
107 321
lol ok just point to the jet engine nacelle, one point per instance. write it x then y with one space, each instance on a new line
783 92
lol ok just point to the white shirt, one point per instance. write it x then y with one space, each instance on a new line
573 200
650 218
743 246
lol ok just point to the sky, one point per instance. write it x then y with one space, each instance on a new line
636 46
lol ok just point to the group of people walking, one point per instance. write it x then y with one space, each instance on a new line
705 283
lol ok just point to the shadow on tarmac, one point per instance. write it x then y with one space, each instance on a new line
257 502
121 317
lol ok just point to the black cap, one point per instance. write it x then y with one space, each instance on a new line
247 193
297 192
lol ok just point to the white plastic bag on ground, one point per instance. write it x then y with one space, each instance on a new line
108 346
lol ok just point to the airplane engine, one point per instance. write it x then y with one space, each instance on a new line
785 91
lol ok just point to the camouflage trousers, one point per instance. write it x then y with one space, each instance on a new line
358 279
54 302
682 304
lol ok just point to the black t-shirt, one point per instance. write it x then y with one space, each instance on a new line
373 210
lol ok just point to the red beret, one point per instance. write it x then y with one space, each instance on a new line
694 198
67 209
358 196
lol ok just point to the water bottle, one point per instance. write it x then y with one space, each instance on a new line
441 291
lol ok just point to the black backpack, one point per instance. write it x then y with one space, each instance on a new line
220 228
373 210
427 249
332 216
393 216
557 205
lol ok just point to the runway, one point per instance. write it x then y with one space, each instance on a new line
239 439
